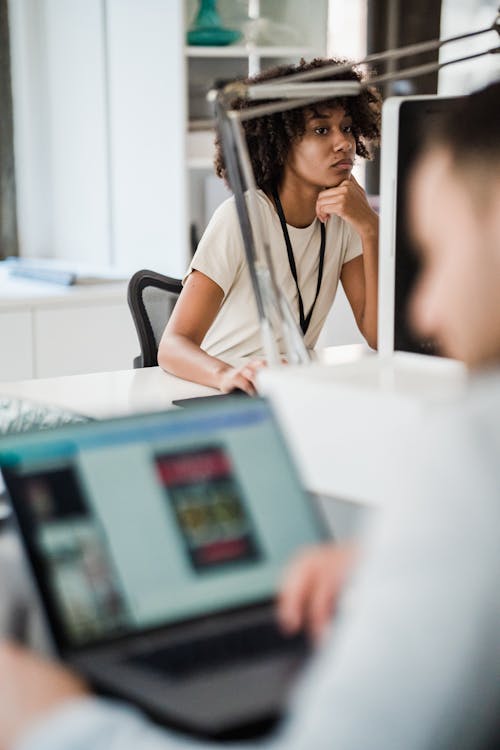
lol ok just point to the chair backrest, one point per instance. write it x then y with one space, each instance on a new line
151 298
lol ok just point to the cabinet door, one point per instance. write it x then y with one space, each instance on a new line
16 346
74 340
147 134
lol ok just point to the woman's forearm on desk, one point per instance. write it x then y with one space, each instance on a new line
180 347
182 357
179 351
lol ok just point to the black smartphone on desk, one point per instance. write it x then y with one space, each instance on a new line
213 397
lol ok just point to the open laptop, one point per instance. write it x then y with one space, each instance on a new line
157 543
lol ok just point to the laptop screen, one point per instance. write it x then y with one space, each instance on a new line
144 521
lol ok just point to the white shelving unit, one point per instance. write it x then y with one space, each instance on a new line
200 143
205 65
253 53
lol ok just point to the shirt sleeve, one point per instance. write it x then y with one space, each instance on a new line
220 252
96 724
352 244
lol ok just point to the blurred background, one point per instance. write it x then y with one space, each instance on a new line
106 141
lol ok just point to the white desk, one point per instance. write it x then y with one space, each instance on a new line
117 393
342 419
108 394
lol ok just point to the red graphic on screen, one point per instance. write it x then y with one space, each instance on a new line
209 507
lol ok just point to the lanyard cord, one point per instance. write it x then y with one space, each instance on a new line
304 320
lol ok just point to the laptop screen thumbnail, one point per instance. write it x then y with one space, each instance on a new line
141 522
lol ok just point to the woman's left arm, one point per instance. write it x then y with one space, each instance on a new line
359 276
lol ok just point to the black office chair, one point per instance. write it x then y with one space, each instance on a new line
151 298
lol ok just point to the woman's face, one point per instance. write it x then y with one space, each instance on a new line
324 155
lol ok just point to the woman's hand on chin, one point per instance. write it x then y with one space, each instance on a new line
348 200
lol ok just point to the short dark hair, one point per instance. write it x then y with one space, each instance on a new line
270 137
470 130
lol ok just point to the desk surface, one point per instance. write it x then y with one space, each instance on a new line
347 423
108 394
341 421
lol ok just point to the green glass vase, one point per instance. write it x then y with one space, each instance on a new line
207 29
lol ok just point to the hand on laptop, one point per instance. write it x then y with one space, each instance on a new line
242 378
312 585
30 688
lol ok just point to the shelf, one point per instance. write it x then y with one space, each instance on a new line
200 162
238 50
200 149
287 32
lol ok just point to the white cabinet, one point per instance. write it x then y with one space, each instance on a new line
92 337
16 345
47 331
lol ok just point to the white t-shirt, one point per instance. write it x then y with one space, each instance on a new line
235 332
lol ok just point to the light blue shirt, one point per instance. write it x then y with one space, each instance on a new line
412 661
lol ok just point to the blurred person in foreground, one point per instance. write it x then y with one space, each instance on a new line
412 659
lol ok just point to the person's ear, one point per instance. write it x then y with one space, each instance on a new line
490 226
495 217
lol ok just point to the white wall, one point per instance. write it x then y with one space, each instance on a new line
77 127
29 84
99 97
460 17
147 101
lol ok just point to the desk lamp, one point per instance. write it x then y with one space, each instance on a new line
295 91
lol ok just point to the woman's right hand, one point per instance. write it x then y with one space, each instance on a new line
242 377
180 349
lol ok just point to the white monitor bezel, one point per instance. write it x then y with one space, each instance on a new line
388 213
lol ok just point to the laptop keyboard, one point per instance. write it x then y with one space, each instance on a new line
219 651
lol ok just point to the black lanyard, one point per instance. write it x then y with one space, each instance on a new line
304 320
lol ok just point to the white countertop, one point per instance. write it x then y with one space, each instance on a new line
108 394
20 293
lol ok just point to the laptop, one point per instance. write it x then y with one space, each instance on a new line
157 543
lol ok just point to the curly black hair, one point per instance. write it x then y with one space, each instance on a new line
269 138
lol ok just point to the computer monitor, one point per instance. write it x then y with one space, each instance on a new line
405 120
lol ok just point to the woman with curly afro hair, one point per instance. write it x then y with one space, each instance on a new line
320 228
